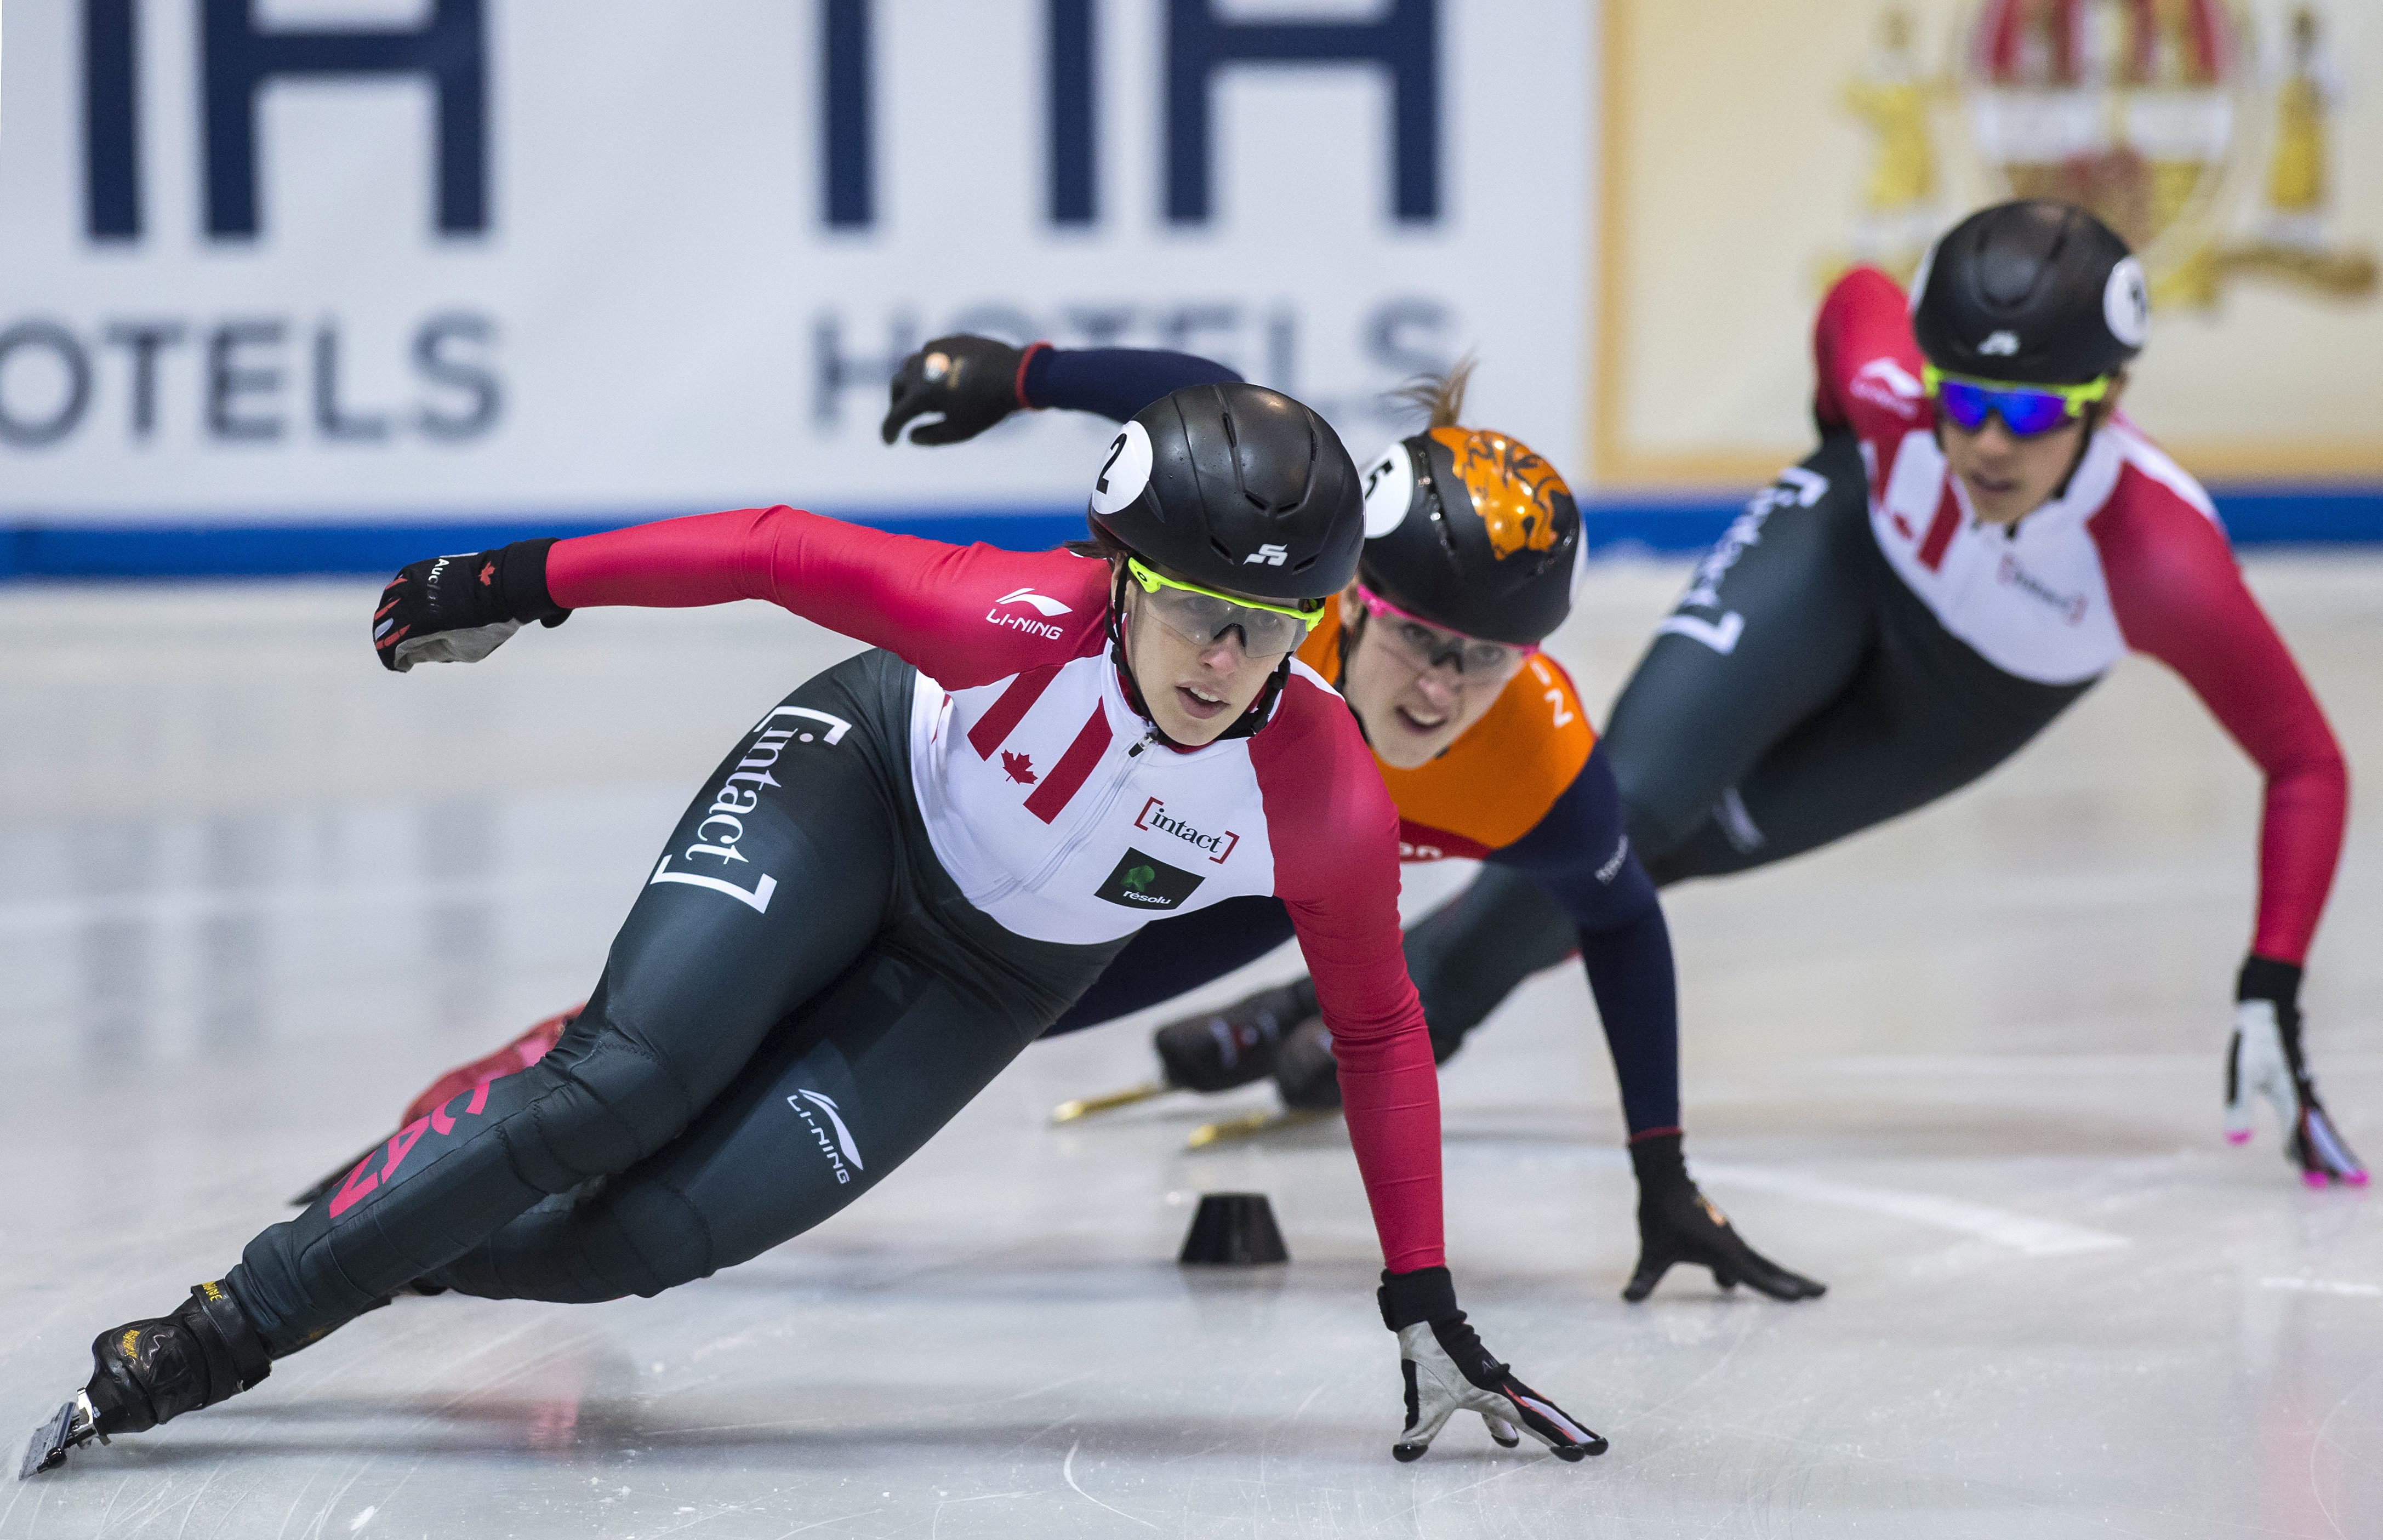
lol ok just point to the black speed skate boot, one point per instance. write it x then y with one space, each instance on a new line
151 1372
1235 1046
1216 1051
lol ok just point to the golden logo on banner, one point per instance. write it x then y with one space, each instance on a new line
1750 151
2154 113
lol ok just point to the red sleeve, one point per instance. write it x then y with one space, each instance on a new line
1868 364
1336 851
2178 597
964 615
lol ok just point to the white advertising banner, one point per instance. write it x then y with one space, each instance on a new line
408 260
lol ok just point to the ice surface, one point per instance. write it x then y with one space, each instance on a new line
253 891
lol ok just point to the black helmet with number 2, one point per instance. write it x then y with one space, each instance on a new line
1233 486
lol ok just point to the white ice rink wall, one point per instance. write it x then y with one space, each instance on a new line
285 284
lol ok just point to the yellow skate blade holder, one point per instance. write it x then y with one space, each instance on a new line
1085 1106
1251 1125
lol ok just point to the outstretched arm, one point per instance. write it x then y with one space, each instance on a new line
1114 382
936 606
2180 596
972 383
1334 836
1578 854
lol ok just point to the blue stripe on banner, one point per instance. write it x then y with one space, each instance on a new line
2261 516
380 546
2265 516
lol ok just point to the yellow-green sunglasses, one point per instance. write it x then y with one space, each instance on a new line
1203 615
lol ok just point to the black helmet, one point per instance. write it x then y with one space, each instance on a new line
1470 530
1236 487
2035 291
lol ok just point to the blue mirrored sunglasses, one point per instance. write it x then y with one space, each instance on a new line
2026 410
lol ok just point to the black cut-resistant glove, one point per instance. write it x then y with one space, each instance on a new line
1448 1370
459 608
1677 1224
2264 1059
973 381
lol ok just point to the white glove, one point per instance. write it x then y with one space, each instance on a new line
2264 1059
1448 1371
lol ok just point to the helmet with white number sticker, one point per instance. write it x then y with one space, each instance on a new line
1472 532
2035 292
1234 486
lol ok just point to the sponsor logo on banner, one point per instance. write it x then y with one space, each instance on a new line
1143 881
1154 815
202 324
2208 160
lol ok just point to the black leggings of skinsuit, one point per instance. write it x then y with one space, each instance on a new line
1838 702
765 1044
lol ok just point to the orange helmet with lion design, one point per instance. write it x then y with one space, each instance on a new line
1471 530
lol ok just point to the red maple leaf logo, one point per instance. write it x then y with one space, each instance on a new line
488 575
1018 766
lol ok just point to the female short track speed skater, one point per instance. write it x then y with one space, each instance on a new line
1978 538
899 876
1482 741
1472 549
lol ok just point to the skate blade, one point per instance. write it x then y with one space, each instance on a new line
1253 1125
333 1178
54 1436
1084 1106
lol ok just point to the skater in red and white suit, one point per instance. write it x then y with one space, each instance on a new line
901 875
1980 536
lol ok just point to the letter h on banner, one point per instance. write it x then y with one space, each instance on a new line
1404 42
1200 44
238 57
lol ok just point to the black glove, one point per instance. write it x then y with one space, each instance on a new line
973 381
1448 1371
1677 1224
459 608
2265 1059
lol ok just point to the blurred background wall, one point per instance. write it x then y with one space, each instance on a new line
318 285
